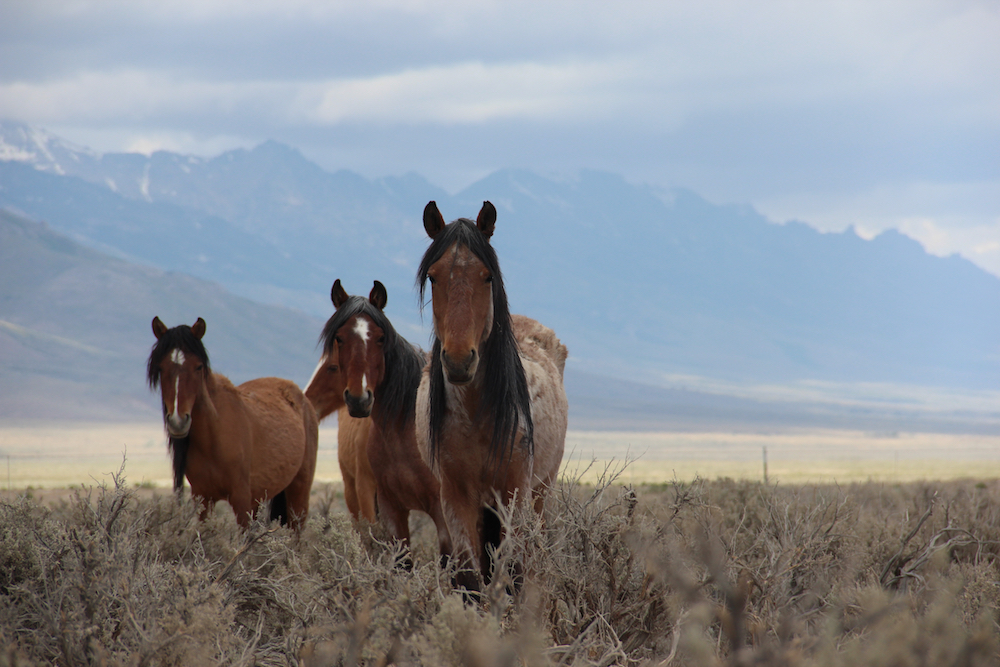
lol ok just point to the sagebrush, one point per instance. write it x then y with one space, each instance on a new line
700 573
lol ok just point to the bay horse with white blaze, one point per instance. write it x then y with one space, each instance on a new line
325 391
246 444
382 372
491 408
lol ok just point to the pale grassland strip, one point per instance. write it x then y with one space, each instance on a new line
60 454
51 455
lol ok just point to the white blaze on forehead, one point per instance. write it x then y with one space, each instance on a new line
361 329
177 356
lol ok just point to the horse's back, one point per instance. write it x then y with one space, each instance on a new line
532 335
544 359
278 402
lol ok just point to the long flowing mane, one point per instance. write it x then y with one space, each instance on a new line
403 362
505 398
178 338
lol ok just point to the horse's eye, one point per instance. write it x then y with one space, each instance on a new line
332 368
381 339
489 279
431 279
338 340
199 367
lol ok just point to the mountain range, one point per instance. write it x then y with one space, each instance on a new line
646 287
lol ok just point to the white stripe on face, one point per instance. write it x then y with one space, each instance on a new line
361 330
177 391
177 356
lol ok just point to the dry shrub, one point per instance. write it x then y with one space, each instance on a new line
702 573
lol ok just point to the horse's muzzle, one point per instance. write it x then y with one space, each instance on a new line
460 372
359 406
178 427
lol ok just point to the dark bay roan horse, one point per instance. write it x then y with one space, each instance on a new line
246 444
491 408
326 392
382 372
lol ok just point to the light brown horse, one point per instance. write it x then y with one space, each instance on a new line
246 444
491 408
325 391
382 372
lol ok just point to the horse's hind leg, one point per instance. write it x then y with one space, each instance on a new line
365 495
279 509
297 498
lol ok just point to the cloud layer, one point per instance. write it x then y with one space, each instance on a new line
880 114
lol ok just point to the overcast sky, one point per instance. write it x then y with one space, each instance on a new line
871 113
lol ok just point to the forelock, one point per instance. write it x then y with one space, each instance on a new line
178 338
355 305
462 231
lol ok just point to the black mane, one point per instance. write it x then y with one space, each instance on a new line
178 338
505 398
396 395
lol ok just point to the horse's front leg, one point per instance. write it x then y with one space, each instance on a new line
462 514
398 518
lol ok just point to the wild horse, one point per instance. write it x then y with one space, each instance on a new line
247 444
325 391
382 372
491 408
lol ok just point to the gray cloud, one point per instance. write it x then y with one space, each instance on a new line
837 113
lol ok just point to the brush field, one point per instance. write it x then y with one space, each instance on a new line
691 572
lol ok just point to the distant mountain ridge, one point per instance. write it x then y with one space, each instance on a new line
640 284
75 328
74 336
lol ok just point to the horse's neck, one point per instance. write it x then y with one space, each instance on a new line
210 410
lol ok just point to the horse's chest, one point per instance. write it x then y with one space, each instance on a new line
211 478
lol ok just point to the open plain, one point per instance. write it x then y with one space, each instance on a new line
73 454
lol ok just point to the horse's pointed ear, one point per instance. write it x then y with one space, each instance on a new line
338 294
378 297
198 328
159 328
433 220
487 219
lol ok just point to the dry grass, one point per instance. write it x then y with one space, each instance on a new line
56 454
685 573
